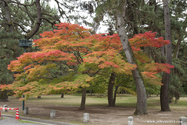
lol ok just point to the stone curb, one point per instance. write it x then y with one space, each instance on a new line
39 120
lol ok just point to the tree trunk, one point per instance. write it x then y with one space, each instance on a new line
3 96
83 101
177 47
141 107
115 92
164 99
90 92
38 22
39 97
8 16
110 90
62 95
162 49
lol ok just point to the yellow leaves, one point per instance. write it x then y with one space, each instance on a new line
151 78
88 79
128 90
18 65
109 59
46 43
39 71
143 58
30 89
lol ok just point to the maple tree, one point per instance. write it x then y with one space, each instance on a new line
84 55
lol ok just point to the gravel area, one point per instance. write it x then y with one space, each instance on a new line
11 121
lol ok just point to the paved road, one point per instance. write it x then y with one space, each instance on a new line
10 120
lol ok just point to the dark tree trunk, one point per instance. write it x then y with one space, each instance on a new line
110 90
83 101
3 96
164 99
115 92
39 97
62 95
90 92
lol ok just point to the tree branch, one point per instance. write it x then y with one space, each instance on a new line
95 73
23 28
38 22
61 10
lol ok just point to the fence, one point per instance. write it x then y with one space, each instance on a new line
17 111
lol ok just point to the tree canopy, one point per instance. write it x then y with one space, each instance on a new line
84 55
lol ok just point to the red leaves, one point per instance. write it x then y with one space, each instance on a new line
47 34
71 31
56 55
158 67
147 39
28 67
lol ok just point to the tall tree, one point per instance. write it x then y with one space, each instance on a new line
141 107
9 50
164 99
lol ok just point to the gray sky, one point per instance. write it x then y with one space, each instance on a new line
101 29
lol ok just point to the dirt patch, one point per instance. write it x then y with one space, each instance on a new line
100 114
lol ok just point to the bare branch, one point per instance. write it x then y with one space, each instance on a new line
55 18
61 10
52 23
23 28
95 73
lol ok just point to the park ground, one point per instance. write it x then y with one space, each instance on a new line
67 110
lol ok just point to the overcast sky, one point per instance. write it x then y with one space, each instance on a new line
101 29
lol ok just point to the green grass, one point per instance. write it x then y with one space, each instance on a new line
25 121
125 100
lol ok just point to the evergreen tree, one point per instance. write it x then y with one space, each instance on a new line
9 50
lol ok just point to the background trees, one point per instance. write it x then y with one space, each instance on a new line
146 15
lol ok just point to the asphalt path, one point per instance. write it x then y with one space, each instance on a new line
10 120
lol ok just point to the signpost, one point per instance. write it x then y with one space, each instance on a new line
25 44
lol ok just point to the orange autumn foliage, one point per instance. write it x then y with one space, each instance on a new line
75 45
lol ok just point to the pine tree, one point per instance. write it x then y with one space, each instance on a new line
9 50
